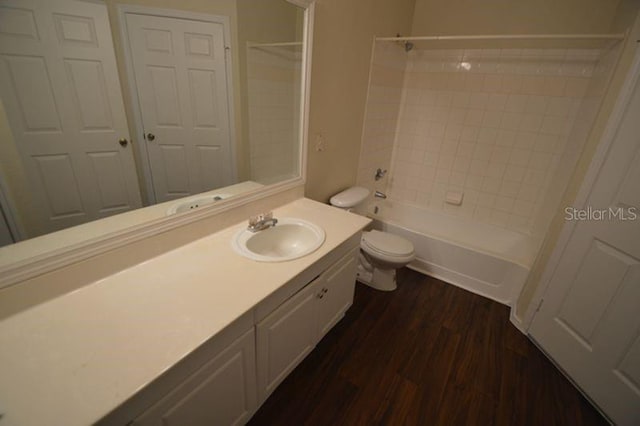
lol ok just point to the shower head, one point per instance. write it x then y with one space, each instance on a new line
405 43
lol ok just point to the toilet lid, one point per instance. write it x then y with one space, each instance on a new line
388 244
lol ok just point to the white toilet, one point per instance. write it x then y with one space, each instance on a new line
381 253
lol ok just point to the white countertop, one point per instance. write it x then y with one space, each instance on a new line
75 358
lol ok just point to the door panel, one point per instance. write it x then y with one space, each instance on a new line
75 30
222 392
60 87
86 79
18 21
29 77
174 162
166 106
211 163
181 82
339 282
284 338
58 179
112 189
599 279
202 86
589 322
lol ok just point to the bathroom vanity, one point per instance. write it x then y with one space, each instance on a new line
151 317
197 334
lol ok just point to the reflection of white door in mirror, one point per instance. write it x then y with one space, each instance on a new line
182 90
261 23
9 232
60 87
5 234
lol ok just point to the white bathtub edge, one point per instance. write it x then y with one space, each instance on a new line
524 262
463 281
516 320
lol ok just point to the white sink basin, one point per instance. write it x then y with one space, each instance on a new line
289 239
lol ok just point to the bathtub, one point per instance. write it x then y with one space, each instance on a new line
487 260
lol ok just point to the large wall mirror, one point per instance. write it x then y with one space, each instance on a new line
126 111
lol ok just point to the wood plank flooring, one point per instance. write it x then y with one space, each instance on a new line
427 354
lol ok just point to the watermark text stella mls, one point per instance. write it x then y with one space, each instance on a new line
611 213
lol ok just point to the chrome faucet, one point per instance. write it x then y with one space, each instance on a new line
262 221
379 194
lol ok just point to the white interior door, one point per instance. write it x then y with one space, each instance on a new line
589 322
60 87
181 82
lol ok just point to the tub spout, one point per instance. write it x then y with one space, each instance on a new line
379 194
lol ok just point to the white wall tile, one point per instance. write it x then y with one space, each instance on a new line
491 123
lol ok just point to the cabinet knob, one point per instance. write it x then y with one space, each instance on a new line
123 142
150 137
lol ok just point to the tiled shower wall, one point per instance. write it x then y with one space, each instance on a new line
557 181
274 77
383 109
492 124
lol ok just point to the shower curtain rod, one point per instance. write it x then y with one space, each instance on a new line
286 43
509 37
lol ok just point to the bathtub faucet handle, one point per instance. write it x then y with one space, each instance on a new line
379 194
380 174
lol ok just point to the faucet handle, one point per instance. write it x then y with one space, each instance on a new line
380 174
255 220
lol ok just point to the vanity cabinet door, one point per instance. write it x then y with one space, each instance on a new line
336 287
284 338
222 392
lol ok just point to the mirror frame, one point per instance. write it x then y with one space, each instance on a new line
25 266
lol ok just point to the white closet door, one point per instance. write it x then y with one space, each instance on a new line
60 87
181 81
589 322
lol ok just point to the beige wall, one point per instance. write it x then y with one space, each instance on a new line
512 16
627 11
342 45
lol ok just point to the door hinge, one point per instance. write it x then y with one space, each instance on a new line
539 305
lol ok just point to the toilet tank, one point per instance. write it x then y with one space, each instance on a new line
349 198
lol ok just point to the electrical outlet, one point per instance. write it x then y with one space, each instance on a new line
319 142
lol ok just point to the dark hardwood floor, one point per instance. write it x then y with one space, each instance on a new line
427 354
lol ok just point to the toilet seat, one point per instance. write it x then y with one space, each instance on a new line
386 246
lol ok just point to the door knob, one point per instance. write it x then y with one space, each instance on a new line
123 142
150 137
